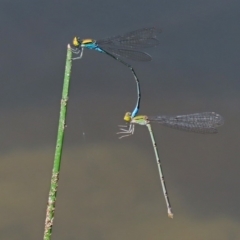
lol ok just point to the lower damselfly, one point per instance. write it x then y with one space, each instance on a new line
205 122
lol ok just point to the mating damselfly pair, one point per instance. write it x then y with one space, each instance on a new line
127 46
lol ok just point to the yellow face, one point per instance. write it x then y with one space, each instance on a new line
127 117
76 43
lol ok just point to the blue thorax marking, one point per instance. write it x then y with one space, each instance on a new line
135 112
92 46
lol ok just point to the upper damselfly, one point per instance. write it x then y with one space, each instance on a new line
126 46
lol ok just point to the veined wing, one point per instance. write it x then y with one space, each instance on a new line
205 122
141 38
130 54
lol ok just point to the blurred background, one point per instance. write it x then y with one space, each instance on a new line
110 188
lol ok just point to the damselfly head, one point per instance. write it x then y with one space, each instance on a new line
127 117
76 42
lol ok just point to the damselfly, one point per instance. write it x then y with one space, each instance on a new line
205 122
125 46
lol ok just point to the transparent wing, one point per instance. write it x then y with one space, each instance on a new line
128 53
205 122
141 38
